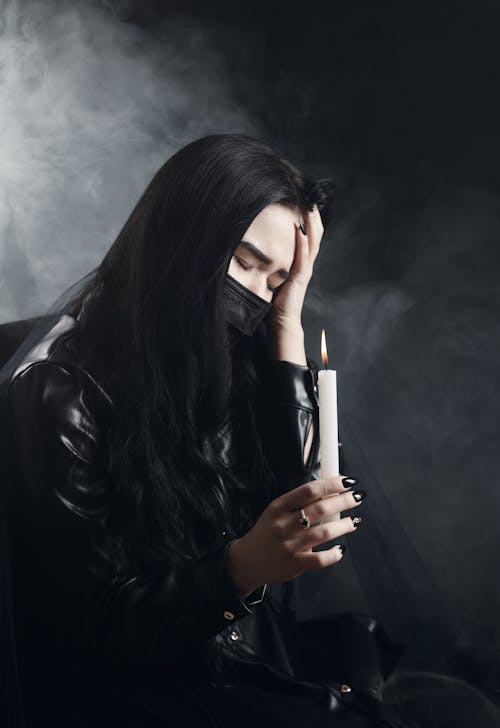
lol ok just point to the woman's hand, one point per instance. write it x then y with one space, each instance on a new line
286 310
278 548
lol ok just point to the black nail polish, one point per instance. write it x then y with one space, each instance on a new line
303 228
356 520
359 495
348 482
342 547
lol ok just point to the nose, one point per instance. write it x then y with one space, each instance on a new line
264 293
260 289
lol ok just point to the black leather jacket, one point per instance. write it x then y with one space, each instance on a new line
60 414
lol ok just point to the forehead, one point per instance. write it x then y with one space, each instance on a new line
273 231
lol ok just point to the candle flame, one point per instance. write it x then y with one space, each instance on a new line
324 352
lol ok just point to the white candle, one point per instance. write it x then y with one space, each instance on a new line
328 418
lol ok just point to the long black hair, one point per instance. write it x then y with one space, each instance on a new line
154 321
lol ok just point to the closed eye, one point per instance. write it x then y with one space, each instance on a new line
242 265
245 266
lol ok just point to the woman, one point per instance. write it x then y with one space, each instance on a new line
165 438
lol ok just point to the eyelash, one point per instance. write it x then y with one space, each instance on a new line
249 267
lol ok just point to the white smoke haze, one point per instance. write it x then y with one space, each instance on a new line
417 372
358 322
90 107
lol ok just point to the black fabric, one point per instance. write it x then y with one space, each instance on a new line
244 310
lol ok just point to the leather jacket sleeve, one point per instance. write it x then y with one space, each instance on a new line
291 407
59 424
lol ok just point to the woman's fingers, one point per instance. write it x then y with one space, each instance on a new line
306 538
301 267
308 560
307 246
314 231
325 508
312 491
320 512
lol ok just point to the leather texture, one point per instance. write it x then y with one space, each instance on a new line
126 626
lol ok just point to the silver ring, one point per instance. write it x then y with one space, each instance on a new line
304 520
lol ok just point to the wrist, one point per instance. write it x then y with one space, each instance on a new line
238 573
285 325
287 343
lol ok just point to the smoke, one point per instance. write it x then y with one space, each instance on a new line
90 107
417 359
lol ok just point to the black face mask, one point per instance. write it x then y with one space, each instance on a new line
244 309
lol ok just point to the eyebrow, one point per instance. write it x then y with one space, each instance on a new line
263 257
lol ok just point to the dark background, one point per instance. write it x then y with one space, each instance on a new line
399 103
